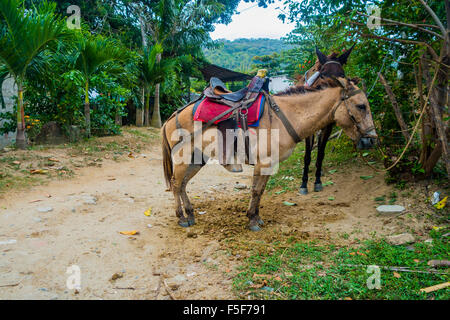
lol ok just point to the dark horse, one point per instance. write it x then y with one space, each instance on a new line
325 66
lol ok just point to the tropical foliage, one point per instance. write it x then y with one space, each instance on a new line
25 35
238 54
408 45
124 53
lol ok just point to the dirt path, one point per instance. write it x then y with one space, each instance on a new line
78 232
197 263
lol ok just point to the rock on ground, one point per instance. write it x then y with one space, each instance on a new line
390 209
400 239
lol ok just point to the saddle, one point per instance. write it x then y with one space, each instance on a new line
234 104
218 91
234 112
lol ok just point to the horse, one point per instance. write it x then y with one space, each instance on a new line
288 117
325 66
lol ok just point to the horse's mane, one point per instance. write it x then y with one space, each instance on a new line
294 90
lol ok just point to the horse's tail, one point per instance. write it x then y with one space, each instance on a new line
167 158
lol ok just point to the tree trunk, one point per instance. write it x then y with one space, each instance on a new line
21 140
156 116
395 106
147 109
432 160
139 117
87 110
437 102
118 119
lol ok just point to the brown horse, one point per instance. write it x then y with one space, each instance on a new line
325 67
305 111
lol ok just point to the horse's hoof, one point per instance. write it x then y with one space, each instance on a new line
260 222
255 227
303 191
191 221
183 224
318 187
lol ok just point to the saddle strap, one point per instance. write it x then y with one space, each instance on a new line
243 104
191 136
280 114
178 125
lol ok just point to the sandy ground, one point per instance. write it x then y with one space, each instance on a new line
165 261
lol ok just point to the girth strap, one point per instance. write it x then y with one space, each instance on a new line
287 124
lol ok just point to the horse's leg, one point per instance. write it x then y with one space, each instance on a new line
190 173
258 187
179 174
322 143
309 142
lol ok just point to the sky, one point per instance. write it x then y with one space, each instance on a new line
253 22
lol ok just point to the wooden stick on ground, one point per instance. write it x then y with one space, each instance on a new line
436 287
168 290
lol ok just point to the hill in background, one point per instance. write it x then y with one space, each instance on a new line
237 54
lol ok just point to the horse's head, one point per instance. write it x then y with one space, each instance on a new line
326 66
352 113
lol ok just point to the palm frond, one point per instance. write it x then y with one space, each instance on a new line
28 32
95 54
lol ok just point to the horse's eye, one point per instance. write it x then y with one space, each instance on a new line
361 107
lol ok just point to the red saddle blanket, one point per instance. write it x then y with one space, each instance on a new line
207 110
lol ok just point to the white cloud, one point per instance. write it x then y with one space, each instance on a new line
253 22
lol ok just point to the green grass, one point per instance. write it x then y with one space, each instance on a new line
314 271
290 172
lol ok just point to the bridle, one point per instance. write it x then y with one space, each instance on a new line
316 75
345 95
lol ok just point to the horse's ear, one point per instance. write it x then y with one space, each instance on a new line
322 58
340 82
343 57
355 80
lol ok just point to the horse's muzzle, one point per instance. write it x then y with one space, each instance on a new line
366 143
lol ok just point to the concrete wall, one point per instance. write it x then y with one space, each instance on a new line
9 91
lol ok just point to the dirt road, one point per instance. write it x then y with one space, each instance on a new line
77 222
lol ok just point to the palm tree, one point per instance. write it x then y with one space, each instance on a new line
152 73
175 26
24 37
92 56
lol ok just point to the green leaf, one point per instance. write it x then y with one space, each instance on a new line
332 171
366 177
287 203
331 198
